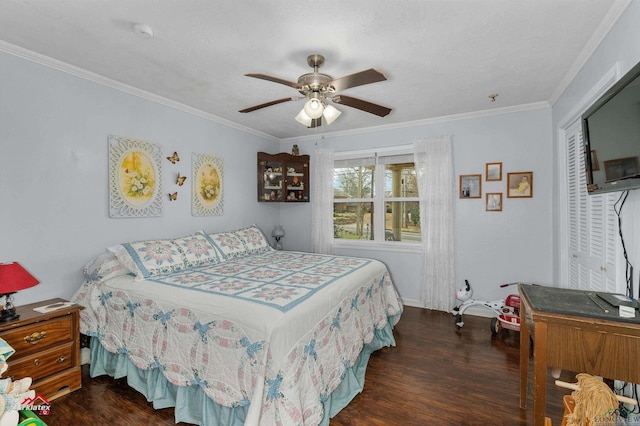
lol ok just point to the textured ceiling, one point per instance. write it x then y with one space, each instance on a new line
440 57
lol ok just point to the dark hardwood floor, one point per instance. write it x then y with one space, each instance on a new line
436 375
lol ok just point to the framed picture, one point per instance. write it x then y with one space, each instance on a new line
470 186
493 172
494 202
207 186
135 178
621 168
520 185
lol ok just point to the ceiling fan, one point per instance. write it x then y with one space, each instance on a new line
319 88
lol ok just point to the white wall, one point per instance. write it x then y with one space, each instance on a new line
491 247
619 47
54 196
54 180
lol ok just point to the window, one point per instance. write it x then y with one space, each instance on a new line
375 197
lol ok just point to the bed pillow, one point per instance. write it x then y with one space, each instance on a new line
151 258
198 251
228 244
254 240
103 267
239 243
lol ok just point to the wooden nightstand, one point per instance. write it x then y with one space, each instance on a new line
47 348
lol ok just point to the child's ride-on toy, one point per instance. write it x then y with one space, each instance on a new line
510 315
507 310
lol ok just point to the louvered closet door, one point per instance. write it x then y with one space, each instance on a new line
593 225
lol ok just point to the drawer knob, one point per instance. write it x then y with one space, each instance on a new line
36 362
61 359
35 337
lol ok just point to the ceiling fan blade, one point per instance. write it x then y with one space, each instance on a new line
267 104
366 106
274 79
358 79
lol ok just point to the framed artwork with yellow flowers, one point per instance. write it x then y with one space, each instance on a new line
207 185
135 178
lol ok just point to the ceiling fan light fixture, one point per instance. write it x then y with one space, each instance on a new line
330 113
317 89
303 118
313 108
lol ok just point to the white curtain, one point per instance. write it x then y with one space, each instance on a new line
436 188
322 201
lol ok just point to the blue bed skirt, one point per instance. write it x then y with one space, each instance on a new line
193 406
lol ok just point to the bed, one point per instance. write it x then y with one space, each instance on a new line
231 332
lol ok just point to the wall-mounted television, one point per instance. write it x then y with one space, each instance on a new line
611 131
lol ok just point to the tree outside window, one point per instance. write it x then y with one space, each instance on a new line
368 196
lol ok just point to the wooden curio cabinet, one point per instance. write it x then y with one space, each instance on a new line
283 178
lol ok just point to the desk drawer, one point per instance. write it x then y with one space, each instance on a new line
41 335
43 363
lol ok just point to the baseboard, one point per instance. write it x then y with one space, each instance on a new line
412 302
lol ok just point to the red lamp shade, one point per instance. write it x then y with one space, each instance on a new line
13 277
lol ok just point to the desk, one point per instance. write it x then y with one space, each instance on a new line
571 332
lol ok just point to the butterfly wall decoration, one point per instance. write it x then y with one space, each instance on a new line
180 180
174 158
173 197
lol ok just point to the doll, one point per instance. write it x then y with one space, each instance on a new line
12 393
8 415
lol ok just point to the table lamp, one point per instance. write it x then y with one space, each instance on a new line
13 278
277 234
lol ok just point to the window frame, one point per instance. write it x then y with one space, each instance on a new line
379 201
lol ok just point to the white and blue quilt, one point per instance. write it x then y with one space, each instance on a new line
272 332
281 280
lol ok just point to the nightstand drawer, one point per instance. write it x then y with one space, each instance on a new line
43 363
47 346
39 336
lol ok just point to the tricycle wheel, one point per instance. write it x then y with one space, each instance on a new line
459 321
495 326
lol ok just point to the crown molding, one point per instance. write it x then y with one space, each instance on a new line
425 122
615 12
99 79
104 81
